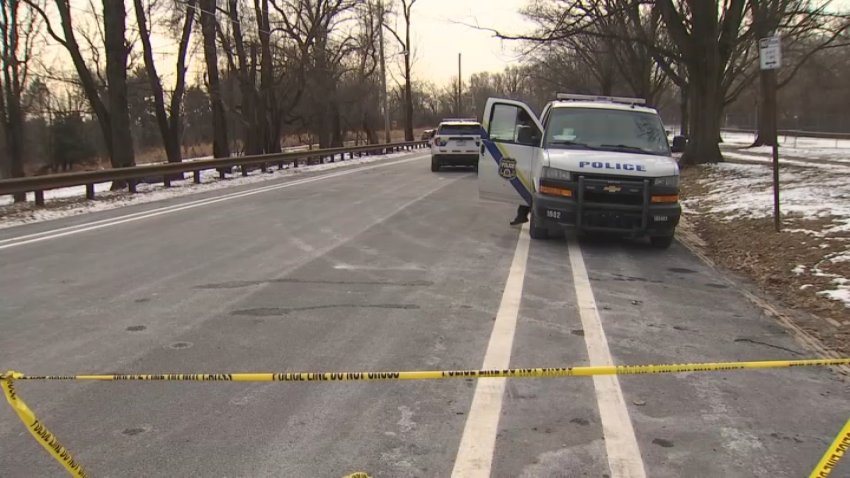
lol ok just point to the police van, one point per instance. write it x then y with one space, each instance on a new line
456 143
593 163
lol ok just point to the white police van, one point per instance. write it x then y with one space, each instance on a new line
456 143
592 163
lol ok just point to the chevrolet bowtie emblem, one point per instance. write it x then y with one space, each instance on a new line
612 188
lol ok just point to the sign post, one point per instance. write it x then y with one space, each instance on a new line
770 59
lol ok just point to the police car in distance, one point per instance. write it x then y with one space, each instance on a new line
592 163
456 143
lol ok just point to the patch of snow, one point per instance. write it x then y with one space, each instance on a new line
746 191
806 164
845 257
797 147
840 293
62 193
812 192
106 199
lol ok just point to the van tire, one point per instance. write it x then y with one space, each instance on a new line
536 232
661 242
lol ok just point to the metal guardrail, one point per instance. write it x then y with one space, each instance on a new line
165 172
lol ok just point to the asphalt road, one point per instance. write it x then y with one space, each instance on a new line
388 267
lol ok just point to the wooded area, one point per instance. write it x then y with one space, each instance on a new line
192 77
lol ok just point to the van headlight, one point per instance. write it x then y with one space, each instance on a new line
669 181
555 173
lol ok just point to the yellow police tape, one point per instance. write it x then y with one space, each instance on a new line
37 429
52 445
834 453
587 371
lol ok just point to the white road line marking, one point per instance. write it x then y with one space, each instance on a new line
114 221
624 457
475 454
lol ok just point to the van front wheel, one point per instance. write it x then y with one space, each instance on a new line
536 231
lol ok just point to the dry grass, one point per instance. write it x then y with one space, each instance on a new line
751 248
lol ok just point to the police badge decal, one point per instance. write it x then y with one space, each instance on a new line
507 168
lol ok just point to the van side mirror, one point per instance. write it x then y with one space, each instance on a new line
679 144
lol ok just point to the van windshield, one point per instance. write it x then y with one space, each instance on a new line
597 128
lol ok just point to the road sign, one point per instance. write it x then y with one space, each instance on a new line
770 53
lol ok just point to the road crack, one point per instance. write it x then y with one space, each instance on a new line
277 311
249 283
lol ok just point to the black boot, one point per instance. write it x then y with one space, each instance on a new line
521 215
519 220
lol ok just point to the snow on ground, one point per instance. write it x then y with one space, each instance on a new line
746 190
793 147
78 191
71 200
736 191
783 159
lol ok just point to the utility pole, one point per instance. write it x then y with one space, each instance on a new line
386 102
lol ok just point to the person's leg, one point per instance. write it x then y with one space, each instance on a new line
521 215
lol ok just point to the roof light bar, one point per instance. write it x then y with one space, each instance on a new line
474 120
611 99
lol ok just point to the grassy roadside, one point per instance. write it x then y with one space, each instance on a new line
797 267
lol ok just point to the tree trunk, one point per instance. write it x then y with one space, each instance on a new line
706 101
705 72
684 111
337 139
11 113
252 114
5 165
767 109
170 143
116 77
175 115
87 81
408 97
371 135
14 125
268 100
252 130
221 147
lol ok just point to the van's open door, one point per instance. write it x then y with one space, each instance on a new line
507 151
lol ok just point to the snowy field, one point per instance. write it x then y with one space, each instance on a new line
71 201
814 199
792 147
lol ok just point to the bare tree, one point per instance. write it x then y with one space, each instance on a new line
406 8
805 27
114 26
361 88
244 67
167 121
322 42
267 95
19 26
120 152
705 38
209 26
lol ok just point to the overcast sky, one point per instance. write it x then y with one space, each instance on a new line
438 36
